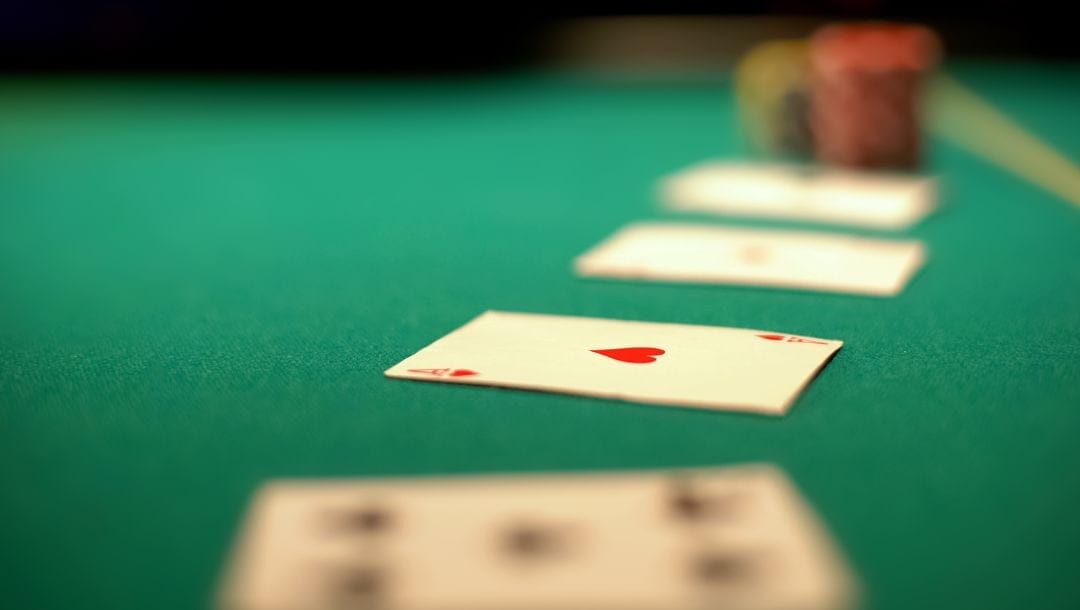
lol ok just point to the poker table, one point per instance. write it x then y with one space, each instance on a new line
203 280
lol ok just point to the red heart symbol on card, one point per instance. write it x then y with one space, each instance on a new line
634 355
462 373
772 337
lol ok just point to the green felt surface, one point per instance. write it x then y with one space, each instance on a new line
201 283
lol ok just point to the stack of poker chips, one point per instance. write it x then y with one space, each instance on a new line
848 96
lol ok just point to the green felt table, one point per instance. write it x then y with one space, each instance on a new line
202 281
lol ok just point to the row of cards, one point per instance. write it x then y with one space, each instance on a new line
739 538
698 366
828 262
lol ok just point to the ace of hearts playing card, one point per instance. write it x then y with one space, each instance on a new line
684 365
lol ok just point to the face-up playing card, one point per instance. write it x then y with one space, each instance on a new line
840 196
785 259
737 538
669 364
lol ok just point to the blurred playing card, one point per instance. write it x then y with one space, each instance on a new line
784 259
737 538
840 196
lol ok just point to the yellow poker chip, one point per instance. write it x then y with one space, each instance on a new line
767 80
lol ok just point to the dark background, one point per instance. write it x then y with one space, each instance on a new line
410 36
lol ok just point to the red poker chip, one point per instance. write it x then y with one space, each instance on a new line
877 47
866 82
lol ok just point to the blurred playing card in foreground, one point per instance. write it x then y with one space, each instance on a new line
737 538
838 196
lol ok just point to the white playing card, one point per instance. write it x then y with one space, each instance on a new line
785 259
670 364
736 538
840 196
